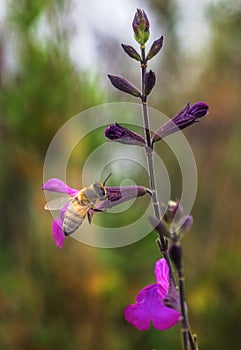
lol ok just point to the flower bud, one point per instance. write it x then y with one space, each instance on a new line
175 252
187 116
131 52
150 81
118 133
122 84
159 227
155 48
140 27
174 209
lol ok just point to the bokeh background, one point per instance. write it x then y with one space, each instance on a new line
54 57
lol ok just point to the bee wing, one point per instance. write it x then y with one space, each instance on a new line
82 210
57 203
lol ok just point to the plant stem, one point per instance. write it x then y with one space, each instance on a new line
149 154
188 341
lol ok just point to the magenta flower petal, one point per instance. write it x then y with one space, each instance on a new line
151 301
58 233
162 277
57 185
149 307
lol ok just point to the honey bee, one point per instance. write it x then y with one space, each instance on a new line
79 206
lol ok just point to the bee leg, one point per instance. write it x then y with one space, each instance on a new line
89 216
98 210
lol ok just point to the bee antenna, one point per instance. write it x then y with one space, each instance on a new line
107 179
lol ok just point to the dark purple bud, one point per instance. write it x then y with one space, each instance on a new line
187 116
118 133
131 52
175 252
199 109
122 84
140 27
150 81
159 227
155 48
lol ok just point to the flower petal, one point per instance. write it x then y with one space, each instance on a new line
57 185
58 233
149 308
199 109
162 277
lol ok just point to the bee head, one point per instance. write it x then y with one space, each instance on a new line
100 190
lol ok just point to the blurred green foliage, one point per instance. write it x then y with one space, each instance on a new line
73 299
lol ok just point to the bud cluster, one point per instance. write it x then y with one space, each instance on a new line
140 27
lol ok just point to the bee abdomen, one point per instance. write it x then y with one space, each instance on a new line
72 221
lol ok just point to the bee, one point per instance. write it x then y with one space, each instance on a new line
80 206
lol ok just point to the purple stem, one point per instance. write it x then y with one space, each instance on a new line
188 340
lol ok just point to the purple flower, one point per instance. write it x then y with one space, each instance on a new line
118 133
113 196
187 116
156 303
